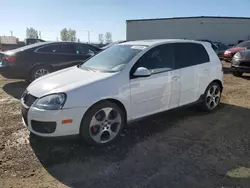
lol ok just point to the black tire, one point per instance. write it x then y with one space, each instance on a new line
237 73
85 123
204 104
32 76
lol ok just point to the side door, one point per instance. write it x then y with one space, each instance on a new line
58 56
192 61
152 94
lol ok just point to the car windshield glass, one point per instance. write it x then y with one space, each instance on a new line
114 58
243 44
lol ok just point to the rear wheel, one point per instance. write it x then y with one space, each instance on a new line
102 123
237 73
39 71
212 97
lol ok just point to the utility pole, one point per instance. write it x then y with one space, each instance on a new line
88 36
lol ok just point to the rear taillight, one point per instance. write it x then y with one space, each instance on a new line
9 59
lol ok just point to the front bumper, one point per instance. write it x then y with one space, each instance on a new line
243 69
240 66
48 123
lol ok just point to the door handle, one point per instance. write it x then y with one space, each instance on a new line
175 78
206 70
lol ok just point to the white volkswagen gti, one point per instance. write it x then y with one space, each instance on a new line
125 82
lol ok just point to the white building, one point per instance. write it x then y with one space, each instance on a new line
228 30
8 40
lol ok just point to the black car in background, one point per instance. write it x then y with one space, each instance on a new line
241 63
214 46
33 61
221 49
111 44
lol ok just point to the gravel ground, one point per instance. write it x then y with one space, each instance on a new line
178 148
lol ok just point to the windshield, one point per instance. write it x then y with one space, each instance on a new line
243 44
114 58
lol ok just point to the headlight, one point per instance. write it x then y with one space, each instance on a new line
237 55
51 102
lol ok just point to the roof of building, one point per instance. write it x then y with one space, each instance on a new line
159 41
194 17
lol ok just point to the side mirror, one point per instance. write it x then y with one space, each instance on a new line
142 72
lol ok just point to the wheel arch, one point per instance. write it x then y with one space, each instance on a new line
37 65
218 82
40 64
116 101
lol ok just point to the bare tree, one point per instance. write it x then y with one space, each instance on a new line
31 33
101 38
108 37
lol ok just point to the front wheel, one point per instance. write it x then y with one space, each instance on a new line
212 96
102 123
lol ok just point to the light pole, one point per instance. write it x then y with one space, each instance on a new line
88 35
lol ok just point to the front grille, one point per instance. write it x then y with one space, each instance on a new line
43 127
28 99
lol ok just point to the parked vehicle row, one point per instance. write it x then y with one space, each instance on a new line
241 63
218 47
33 61
123 83
229 53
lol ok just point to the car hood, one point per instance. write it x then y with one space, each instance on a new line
236 49
65 80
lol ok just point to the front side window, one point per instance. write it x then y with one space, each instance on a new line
158 59
83 50
57 49
189 54
114 58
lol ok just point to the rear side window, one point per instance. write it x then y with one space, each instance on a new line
57 49
189 54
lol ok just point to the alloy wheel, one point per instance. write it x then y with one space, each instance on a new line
40 72
105 125
213 97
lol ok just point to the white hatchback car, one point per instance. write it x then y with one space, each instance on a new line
125 82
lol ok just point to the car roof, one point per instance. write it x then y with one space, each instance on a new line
160 41
38 44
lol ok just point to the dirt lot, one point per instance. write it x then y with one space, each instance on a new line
179 148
